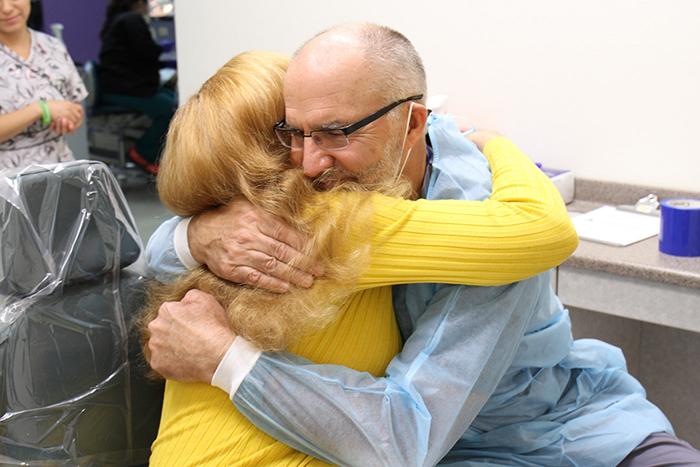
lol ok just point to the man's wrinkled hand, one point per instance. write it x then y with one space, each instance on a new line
244 244
189 338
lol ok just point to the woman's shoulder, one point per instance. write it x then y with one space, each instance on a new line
43 38
46 42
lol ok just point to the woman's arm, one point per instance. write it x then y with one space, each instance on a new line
65 116
521 230
14 123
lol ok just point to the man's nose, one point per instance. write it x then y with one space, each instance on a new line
315 160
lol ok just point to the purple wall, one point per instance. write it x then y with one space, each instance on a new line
82 21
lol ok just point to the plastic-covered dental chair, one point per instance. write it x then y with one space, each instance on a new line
72 384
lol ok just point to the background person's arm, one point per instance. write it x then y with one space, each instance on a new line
14 123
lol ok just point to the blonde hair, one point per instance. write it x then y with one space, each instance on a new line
220 145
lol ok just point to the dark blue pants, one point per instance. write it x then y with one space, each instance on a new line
160 107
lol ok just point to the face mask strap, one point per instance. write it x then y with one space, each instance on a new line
405 136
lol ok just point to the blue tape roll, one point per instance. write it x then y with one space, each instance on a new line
680 227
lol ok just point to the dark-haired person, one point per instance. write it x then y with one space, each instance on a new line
40 92
128 76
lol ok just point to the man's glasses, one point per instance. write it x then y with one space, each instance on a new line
335 138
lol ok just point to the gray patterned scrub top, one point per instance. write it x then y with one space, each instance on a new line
48 73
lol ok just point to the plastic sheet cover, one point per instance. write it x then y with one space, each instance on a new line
72 385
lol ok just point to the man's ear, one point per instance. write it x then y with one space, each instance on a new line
417 124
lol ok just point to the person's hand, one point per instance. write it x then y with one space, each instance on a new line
66 116
481 137
244 244
62 126
189 338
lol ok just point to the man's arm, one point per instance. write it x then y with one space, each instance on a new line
162 258
431 393
238 242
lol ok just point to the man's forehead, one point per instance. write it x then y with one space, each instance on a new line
324 66
326 91
325 111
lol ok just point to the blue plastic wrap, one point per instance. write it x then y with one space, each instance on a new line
72 388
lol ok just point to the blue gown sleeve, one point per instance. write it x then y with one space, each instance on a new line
162 261
433 389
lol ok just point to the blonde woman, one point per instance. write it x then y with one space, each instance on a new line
221 145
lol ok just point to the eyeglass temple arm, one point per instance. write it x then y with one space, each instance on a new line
378 113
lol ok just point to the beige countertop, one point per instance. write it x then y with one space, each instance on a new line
641 260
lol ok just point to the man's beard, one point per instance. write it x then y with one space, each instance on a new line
382 174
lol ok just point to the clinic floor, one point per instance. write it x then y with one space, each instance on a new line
148 212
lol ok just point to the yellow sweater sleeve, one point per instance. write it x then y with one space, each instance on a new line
523 229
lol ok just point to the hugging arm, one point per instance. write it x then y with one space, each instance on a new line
407 417
522 229
461 346
432 390
239 242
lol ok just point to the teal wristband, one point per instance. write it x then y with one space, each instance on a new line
45 112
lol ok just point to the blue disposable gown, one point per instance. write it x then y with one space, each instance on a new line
487 375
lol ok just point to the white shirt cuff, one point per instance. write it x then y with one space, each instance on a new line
238 361
182 246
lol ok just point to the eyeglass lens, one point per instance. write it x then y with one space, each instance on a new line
326 139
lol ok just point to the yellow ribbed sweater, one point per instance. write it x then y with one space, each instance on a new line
523 229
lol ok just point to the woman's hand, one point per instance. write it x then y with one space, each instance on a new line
481 137
62 126
66 116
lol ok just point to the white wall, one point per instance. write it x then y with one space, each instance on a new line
608 88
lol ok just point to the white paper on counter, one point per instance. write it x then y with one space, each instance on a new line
615 227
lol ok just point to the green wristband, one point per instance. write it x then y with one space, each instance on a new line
45 112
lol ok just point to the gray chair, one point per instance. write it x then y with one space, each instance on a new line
111 130
72 379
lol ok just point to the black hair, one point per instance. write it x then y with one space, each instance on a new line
115 8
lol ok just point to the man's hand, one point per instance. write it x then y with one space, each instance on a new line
189 338
242 243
